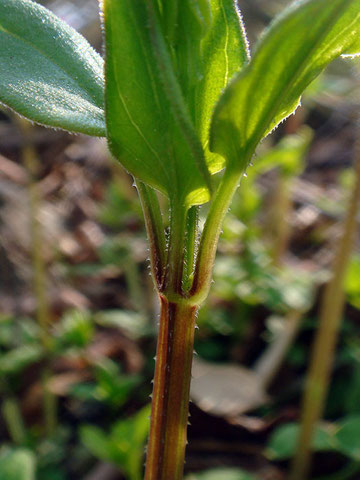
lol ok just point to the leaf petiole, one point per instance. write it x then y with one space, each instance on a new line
175 262
155 230
211 234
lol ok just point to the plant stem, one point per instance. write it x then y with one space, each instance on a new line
13 418
169 416
176 255
50 402
155 230
318 378
190 246
42 308
211 234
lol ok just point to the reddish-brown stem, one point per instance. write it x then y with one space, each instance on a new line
169 415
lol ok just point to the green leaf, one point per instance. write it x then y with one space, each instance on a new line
208 46
129 437
224 52
348 437
148 125
16 360
352 281
76 328
299 44
96 441
49 72
124 446
283 441
288 155
194 20
113 388
136 325
354 50
17 465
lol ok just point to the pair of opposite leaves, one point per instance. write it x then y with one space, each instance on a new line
171 115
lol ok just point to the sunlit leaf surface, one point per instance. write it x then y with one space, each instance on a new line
299 44
49 72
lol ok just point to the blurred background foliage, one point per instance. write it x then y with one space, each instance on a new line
78 313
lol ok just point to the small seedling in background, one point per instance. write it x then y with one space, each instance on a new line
123 446
340 437
181 101
287 160
17 464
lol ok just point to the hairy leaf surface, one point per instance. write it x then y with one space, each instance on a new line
224 52
354 50
49 72
148 124
293 51
194 20
208 46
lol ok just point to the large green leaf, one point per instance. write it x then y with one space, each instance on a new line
208 46
49 72
148 125
224 52
293 51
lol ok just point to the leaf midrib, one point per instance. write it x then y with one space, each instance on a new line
226 76
179 108
138 129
